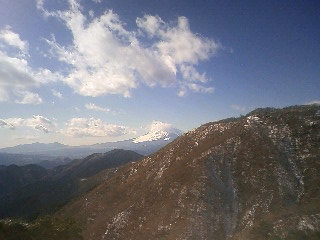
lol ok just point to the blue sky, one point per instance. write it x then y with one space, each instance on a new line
82 72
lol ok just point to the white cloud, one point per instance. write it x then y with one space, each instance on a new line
28 98
157 130
183 46
16 72
158 126
198 88
150 24
36 122
40 6
97 1
56 94
92 106
182 91
13 39
191 74
91 13
17 78
91 127
316 102
105 58
5 124
98 68
238 108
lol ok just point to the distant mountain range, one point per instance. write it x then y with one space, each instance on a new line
160 135
24 159
252 177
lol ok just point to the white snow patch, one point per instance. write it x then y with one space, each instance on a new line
158 130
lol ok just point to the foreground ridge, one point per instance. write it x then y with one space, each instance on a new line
253 177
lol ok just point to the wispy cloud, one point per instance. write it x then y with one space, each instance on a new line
13 39
37 122
198 88
27 97
91 127
238 108
92 106
56 94
26 137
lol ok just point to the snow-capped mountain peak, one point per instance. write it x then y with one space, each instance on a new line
158 130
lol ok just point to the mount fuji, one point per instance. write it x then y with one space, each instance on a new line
159 131
159 134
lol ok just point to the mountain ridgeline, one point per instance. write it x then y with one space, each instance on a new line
253 177
159 135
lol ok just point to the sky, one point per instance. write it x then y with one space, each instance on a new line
92 71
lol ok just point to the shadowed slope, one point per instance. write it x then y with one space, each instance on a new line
50 191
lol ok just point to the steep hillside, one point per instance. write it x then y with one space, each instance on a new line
50 164
254 177
14 177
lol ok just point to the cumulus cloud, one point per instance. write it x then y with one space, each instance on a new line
37 122
92 106
106 58
17 78
158 126
178 42
157 130
91 127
